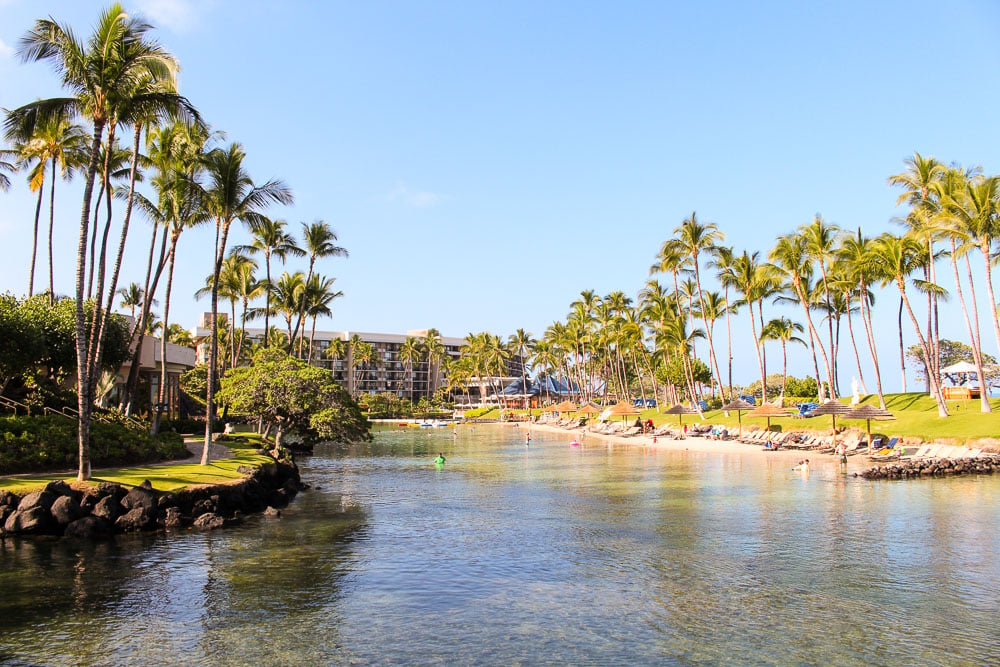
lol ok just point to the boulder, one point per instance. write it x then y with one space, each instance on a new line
10 499
270 511
209 521
42 499
107 508
60 488
90 528
65 510
143 497
33 521
173 518
135 520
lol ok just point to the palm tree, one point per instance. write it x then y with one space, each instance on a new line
782 329
854 256
755 281
132 298
286 295
56 141
792 260
319 295
820 243
271 240
319 241
435 351
522 344
897 258
410 351
697 238
101 74
230 195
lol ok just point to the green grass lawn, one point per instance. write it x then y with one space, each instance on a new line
916 416
162 477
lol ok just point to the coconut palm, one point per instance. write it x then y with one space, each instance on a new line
696 239
318 241
435 351
133 297
820 245
101 74
54 140
897 258
286 295
319 295
783 330
230 195
522 344
270 239
755 282
410 351
854 256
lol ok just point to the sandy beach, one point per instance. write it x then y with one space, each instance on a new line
695 443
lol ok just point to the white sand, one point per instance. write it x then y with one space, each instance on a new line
695 443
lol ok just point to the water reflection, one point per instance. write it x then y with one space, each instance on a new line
514 554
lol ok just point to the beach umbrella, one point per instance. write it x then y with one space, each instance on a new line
623 409
739 405
833 407
868 412
589 409
679 410
767 410
565 406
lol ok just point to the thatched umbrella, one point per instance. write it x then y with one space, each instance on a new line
833 407
565 406
767 410
589 409
679 410
739 405
623 409
868 412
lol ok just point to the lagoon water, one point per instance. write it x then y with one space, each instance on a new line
545 554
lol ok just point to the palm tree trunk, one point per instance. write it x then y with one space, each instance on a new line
52 223
984 248
935 385
866 320
760 357
267 300
854 346
34 245
902 351
221 236
93 241
84 402
819 342
977 351
155 426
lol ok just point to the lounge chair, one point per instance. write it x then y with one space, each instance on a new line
632 431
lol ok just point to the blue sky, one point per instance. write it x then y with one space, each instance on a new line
485 162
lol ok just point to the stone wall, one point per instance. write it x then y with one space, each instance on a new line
984 464
101 511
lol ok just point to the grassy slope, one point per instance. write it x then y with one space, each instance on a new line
163 477
916 416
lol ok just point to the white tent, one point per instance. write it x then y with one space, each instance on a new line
960 367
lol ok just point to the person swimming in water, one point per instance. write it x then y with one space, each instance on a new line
440 459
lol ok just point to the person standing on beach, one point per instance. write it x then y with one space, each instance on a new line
841 452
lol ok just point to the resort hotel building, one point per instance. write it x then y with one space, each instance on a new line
384 371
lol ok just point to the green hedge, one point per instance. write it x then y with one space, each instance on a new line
35 444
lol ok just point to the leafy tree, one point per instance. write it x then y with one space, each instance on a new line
949 352
291 395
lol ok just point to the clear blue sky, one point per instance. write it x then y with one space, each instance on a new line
485 162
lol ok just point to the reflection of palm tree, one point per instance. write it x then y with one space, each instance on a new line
782 329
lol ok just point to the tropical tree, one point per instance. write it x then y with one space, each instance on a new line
783 330
522 344
319 295
820 245
435 351
103 75
410 351
230 194
319 241
270 239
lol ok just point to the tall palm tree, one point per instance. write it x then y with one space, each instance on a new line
132 298
820 244
56 141
410 351
435 351
897 258
854 256
319 241
755 282
100 74
782 329
270 239
230 195
792 260
521 343
286 295
319 295
724 261
697 238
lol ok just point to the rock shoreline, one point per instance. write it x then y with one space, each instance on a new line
985 464
108 509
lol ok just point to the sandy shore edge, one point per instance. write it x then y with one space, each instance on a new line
694 443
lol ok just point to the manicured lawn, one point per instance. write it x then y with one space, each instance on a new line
916 416
162 477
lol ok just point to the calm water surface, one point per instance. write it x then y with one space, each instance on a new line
543 554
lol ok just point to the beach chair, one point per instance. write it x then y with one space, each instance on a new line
632 431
